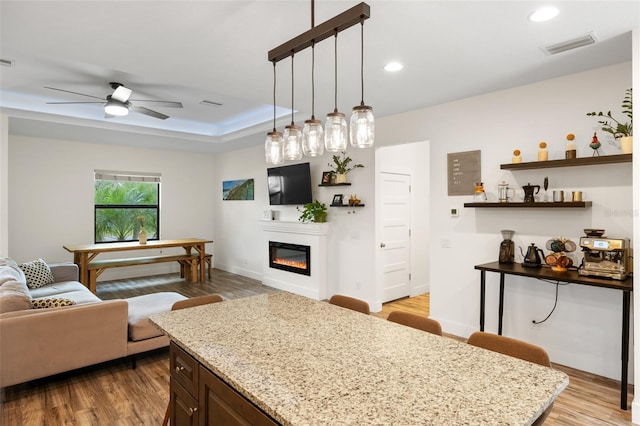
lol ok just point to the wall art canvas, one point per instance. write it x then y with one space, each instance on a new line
237 189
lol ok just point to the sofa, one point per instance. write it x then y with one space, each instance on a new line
59 325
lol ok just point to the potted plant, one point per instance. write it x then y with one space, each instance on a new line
313 212
341 166
619 130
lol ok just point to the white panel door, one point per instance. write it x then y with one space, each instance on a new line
395 235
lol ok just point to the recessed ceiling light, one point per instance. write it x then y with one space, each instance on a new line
544 14
393 66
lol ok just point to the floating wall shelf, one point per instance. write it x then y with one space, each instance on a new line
548 205
345 205
583 161
335 184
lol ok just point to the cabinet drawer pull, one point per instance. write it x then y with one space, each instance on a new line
179 368
192 410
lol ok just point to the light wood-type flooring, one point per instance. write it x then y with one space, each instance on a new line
115 394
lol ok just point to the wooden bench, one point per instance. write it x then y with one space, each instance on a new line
97 267
184 271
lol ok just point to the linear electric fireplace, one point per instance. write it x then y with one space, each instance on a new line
294 258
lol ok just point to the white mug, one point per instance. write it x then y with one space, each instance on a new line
558 196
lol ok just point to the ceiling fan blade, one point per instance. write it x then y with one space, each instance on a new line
75 93
165 104
149 112
121 94
71 103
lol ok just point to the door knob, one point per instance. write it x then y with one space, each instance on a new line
383 245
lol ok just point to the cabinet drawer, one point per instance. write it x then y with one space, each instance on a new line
184 408
184 369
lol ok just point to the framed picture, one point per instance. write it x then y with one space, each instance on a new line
337 200
326 177
241 189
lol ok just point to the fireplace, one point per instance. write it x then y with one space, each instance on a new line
294 258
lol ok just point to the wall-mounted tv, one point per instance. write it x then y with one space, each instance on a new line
289 184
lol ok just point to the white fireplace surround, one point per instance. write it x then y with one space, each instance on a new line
313 235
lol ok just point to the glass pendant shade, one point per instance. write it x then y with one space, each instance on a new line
292 142
362 127
312 138
335 132
274 148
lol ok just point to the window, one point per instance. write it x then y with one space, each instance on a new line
124 202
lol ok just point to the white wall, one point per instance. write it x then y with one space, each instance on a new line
584 331
51 196
351 240
636 205
4 185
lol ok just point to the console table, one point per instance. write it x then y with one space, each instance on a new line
281 358
572 277
83 254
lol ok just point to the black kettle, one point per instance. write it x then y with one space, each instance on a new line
532 259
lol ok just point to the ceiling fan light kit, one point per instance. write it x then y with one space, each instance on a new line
333 136
118 104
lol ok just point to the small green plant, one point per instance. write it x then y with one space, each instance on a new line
613 126
341 163
313 212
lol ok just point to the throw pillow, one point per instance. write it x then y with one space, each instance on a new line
37 273
51 302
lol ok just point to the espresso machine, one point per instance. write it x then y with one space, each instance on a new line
606 257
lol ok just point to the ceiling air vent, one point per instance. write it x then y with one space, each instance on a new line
210 103
6 62
584 40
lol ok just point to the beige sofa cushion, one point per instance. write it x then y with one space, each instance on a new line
140 307
72 290
14 293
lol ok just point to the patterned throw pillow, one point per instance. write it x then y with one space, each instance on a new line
37 273
51 302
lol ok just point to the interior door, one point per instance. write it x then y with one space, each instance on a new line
395 241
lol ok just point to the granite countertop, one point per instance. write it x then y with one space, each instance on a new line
306 362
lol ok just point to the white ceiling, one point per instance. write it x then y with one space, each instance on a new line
189 51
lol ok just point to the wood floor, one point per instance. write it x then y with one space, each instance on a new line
115 394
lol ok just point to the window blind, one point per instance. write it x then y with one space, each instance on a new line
127 176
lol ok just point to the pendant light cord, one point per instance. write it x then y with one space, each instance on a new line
335 73
292 55
313 84
274 96
362 61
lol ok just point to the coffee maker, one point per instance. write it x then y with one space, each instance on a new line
507 248
606 257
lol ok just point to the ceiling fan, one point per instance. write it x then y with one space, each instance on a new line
118 103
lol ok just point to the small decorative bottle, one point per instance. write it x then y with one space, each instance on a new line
570 152
517 158
543 154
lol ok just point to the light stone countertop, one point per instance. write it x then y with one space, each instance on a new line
306 362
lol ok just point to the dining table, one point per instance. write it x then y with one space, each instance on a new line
302 361
85 253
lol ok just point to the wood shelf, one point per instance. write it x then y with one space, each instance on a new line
548 205
335 184
345 205
583 161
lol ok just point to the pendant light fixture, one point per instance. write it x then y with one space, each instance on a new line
362 122
335 130
273 145
312 132
292 133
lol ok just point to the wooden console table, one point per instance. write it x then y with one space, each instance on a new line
83 254
572 277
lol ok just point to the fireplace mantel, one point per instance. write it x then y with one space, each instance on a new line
296 227
313 235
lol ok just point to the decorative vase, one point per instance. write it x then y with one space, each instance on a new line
341 177
626 144
142 236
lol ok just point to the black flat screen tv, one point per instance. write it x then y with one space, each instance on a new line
289 184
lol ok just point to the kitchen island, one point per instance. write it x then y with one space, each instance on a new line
300 361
